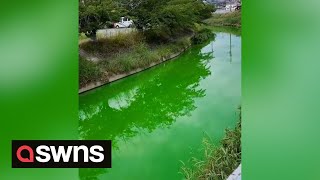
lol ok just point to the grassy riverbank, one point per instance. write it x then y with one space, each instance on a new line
227 19
122 54
126 52
217 162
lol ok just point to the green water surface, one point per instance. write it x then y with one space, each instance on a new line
158 118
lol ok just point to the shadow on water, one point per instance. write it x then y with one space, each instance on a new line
143 102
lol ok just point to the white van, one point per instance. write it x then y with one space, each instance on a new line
231 7
123 23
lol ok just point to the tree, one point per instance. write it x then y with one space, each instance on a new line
95 14
162 19
89 18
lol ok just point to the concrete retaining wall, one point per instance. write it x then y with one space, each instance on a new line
104 33
91 86
236 175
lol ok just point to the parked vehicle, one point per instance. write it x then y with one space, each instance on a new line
231 7
123 23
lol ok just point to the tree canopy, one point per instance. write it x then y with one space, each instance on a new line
160 18
95 14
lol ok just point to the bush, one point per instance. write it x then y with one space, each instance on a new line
202 36
206 12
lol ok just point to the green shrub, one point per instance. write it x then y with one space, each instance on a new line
202 36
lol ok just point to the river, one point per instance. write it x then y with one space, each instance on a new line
158 118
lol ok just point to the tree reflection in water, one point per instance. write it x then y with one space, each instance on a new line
144 102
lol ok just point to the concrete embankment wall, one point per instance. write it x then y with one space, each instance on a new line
236 175
113 78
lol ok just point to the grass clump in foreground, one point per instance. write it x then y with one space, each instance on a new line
227 19
218 162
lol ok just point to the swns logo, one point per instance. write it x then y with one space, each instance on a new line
61 154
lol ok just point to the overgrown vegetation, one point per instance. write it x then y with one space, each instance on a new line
162 19
164 27
218 162
159 19
107 47
88 72
96 14
228 19
202 36
141 56
124 53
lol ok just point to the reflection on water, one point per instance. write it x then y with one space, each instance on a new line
147 102
146 115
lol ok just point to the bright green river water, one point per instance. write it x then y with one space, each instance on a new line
158 118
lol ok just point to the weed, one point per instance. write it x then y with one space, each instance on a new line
218 162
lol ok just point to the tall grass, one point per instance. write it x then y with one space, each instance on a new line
88 72
217 162
228 19
107 47
141 56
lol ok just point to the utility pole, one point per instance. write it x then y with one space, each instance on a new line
230 52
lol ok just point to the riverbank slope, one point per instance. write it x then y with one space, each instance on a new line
113 58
